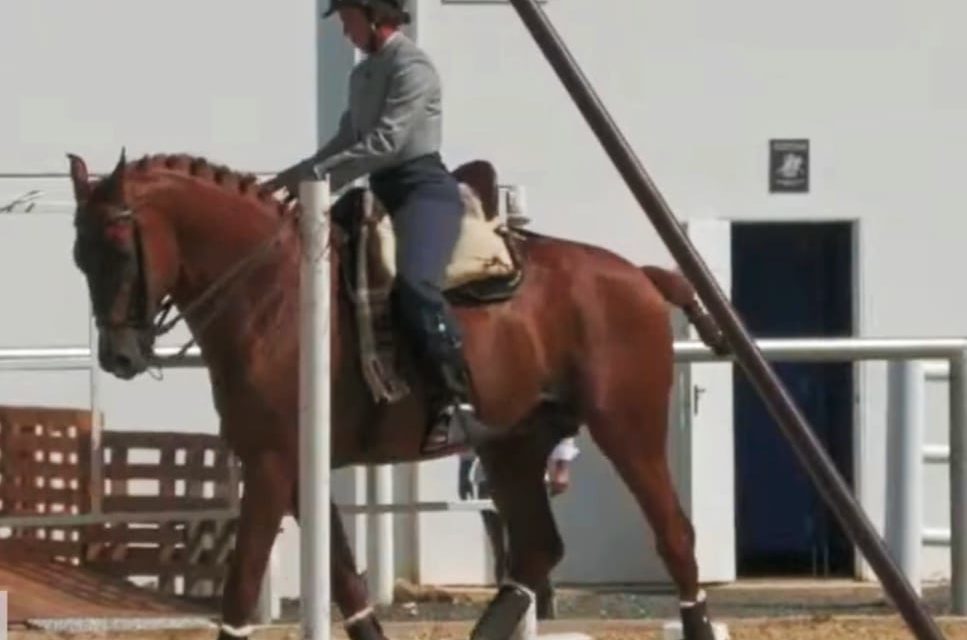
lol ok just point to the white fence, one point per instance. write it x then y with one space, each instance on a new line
912 361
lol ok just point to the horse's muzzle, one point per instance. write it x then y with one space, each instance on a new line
120 352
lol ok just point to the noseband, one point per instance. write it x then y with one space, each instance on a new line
141 319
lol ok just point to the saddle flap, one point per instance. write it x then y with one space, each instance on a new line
484 268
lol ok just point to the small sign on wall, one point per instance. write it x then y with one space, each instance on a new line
789 166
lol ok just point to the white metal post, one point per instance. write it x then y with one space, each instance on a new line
958 483
360 518
906 414
414 523
516 206
381 567
314 410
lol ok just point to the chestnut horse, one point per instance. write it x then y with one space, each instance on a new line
584 324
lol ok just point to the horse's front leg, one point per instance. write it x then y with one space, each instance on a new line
269 484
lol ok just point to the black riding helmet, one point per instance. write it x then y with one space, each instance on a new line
394 6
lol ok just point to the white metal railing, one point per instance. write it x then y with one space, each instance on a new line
907 453
936 453
912 361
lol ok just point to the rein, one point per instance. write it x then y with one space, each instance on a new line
225 283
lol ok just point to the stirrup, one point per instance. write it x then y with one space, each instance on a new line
456 425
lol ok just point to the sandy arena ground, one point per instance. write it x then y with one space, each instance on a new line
753 611
745 629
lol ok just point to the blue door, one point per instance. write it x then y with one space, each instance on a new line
792 280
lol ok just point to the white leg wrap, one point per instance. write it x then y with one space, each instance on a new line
237 632
687 603
358 616
527 627
513 583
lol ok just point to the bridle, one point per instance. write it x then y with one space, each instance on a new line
151 323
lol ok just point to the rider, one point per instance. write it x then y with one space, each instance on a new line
391 132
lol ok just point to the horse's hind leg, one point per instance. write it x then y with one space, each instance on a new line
515 475
629 424
349 589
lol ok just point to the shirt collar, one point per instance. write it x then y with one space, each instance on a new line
394 38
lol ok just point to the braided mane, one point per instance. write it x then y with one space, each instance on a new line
229 180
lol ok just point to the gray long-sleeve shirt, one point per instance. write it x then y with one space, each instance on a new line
394 114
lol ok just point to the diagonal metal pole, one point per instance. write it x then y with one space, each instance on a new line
793 424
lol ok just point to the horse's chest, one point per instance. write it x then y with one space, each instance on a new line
255 416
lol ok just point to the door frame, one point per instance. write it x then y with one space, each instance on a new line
702 425
862 483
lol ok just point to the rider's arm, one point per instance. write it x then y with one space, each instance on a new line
342 139
303 169
405 101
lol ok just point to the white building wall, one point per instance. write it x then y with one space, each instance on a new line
232 80
697 88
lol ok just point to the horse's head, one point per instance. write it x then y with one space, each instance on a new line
129 260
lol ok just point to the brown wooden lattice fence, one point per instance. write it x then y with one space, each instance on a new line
45 467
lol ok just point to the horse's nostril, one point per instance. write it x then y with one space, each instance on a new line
123 362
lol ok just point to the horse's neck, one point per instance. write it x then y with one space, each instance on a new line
215 235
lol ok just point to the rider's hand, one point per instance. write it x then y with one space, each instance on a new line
289 179
559 477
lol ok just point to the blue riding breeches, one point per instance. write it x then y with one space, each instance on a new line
423 200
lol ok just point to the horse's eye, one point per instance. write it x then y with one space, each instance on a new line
118 235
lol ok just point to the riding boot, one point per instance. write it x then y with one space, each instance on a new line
437 345
452 415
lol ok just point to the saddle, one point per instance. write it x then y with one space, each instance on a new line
486 268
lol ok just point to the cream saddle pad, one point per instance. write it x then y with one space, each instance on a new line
480 253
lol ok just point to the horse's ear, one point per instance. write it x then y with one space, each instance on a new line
119 167
116 179
79 178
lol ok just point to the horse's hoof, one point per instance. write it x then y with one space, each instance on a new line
503 615
367 628
695 622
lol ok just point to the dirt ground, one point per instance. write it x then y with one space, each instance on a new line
859 628
746 599
752 611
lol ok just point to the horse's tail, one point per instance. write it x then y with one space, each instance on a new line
679 292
